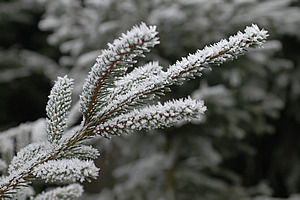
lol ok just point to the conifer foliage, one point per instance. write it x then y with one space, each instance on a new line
113 101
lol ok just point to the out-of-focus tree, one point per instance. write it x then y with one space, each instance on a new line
27 63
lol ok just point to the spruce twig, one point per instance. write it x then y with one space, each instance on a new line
106 104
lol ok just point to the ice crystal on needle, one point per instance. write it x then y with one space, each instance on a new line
113 102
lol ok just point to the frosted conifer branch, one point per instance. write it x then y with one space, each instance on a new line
146 84
151 117
107 100
66 170
216 54
80 151
133 80
128 87
114 62
22 193
29 156
61 193
58 107
11 184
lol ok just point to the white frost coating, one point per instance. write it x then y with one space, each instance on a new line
66 170
23 193
216 53
107 101
12 179
81 151
132 87
150 80
58 107
69 192
28 156
155 116
115 60
137 74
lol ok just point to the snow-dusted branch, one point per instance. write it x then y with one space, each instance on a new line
149 81
66 170
113 102
151 117
113 63
216 54
58 108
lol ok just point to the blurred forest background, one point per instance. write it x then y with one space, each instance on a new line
247 148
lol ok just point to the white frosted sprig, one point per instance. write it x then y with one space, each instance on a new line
80 151
128 88
110 105
66 170
69 192
143 83
58 107
151 117
22 193
136 76
4 182
29 156
12 183
216 54
113 63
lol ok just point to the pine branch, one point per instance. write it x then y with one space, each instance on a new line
113 63
58 108
66 170
152 117
106 104
156 81
122 97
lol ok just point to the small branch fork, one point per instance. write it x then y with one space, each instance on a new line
79 137
89 112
